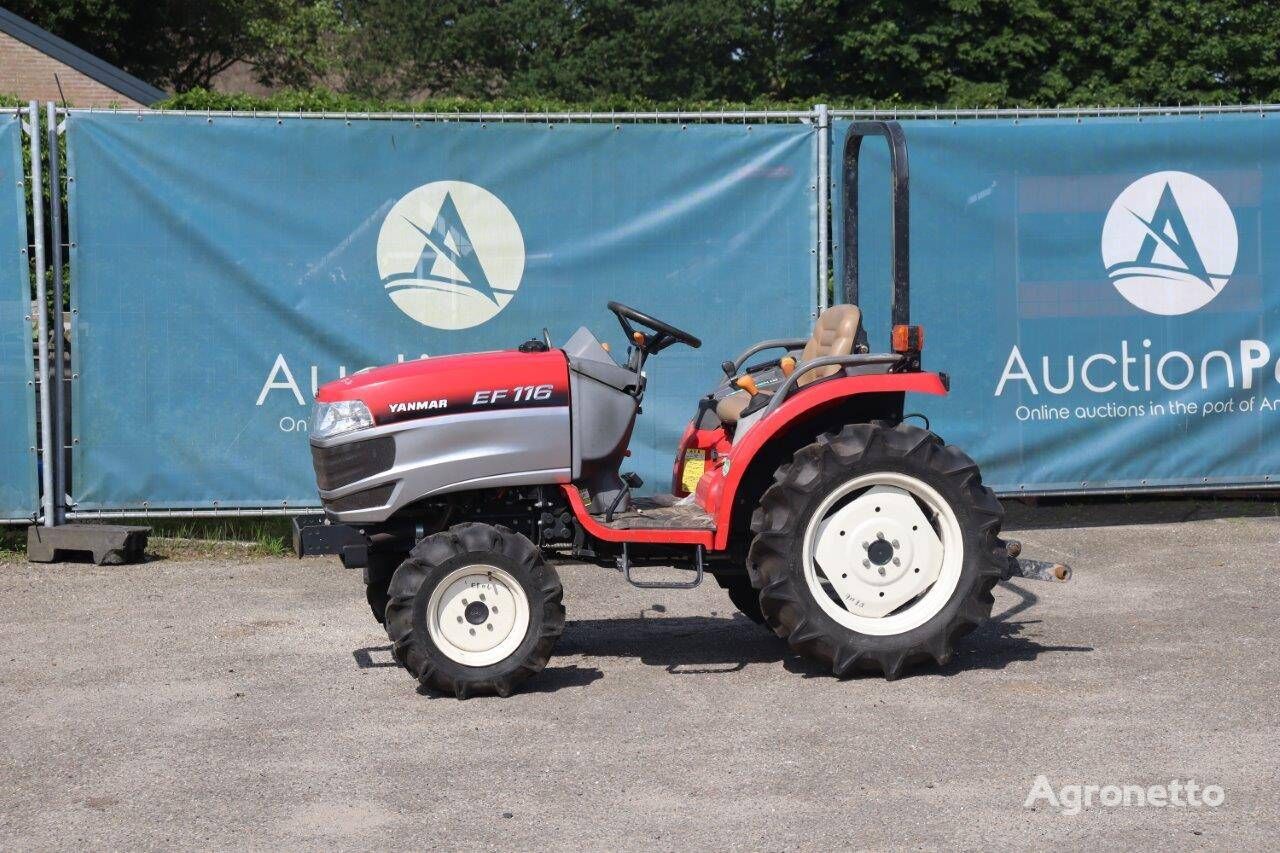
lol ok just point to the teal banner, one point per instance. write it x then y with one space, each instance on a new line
19 496
225 267
1102 291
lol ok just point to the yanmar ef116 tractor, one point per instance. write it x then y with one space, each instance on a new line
863 540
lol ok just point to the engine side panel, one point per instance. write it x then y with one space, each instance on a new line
452 453
457 423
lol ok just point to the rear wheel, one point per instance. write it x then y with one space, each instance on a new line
475 609
876 548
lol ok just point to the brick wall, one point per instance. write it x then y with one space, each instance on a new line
28 74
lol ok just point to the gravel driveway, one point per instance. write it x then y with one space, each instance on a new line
214 703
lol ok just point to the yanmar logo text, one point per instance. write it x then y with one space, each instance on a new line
417 406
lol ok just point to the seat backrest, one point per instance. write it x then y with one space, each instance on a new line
833 334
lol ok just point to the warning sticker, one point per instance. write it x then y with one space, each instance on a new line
695 463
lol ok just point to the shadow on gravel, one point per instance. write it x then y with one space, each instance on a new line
719 645
998 643
365 658
706 645
550 680
683 645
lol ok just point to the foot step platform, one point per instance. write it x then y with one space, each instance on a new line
108 544
661 512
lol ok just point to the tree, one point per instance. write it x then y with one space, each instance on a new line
900 52
180 45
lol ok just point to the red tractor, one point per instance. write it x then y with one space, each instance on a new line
866 542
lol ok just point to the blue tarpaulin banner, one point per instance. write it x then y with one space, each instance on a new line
18 491
225 267
1101 290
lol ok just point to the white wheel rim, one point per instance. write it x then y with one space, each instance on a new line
893 587
478 615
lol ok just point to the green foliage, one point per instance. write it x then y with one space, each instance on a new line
326 100
181 44
634 54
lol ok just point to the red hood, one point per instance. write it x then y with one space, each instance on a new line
456 383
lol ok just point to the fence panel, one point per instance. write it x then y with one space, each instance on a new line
18 491
225 266
1100 289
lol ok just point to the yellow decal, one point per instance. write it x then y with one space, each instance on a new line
695 463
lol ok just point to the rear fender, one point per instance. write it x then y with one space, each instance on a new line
821 406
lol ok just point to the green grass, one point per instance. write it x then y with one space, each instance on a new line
13 543
264 537
189 537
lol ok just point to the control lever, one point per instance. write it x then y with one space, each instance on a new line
630 480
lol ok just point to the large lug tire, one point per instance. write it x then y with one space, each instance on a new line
474 610
869 512
377 579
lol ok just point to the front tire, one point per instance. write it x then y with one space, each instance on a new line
876 548
473 610
744 596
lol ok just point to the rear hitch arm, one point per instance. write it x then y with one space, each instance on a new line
1039 570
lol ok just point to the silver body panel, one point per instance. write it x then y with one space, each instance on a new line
453 453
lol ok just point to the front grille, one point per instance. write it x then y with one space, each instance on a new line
343 464
367 499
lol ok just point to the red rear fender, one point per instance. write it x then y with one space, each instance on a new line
719 486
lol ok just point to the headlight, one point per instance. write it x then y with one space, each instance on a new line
337 418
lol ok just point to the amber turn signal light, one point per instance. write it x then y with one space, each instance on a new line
908 338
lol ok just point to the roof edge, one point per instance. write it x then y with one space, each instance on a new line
116 79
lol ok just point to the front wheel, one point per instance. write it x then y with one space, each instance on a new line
474 609
876 548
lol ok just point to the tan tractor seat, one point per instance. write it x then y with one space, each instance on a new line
833 334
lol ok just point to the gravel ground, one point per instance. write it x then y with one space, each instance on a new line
222 703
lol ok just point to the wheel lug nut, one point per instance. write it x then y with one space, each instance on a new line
895 544
473 632
482 596
881 575
866 564
879 535
897 562
866 546
489 626
459 618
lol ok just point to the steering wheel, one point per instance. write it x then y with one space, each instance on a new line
664 335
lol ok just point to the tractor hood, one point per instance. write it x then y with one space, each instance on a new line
453 384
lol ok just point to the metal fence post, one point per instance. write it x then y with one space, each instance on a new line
47 459
57 365
824 201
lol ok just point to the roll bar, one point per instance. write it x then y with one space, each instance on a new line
900 214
